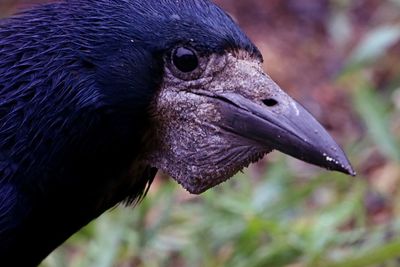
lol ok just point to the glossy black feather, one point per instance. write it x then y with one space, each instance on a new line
76 81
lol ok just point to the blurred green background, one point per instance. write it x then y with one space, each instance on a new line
341 59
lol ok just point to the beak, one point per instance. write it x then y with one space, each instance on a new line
283 124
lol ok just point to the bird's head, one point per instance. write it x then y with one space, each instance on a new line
217 111
213 108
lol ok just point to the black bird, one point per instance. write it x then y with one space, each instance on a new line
96 95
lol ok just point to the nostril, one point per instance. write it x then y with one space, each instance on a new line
270 102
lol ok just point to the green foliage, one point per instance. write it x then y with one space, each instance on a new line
375 44
240 224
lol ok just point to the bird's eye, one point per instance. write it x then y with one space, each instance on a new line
185 59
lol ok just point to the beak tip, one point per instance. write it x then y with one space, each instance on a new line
343 166
349 171
352 172
337 162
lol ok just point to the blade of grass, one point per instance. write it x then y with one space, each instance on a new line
377 255
375 44
373 112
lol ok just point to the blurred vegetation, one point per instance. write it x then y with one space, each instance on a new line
341 59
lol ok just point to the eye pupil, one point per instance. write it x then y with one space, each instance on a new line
185 59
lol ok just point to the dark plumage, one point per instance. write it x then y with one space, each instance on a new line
79 81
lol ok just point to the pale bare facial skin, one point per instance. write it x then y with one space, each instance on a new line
193 149
203 136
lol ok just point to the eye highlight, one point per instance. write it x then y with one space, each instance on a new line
185 59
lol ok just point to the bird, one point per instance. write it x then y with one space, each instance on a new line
96 96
